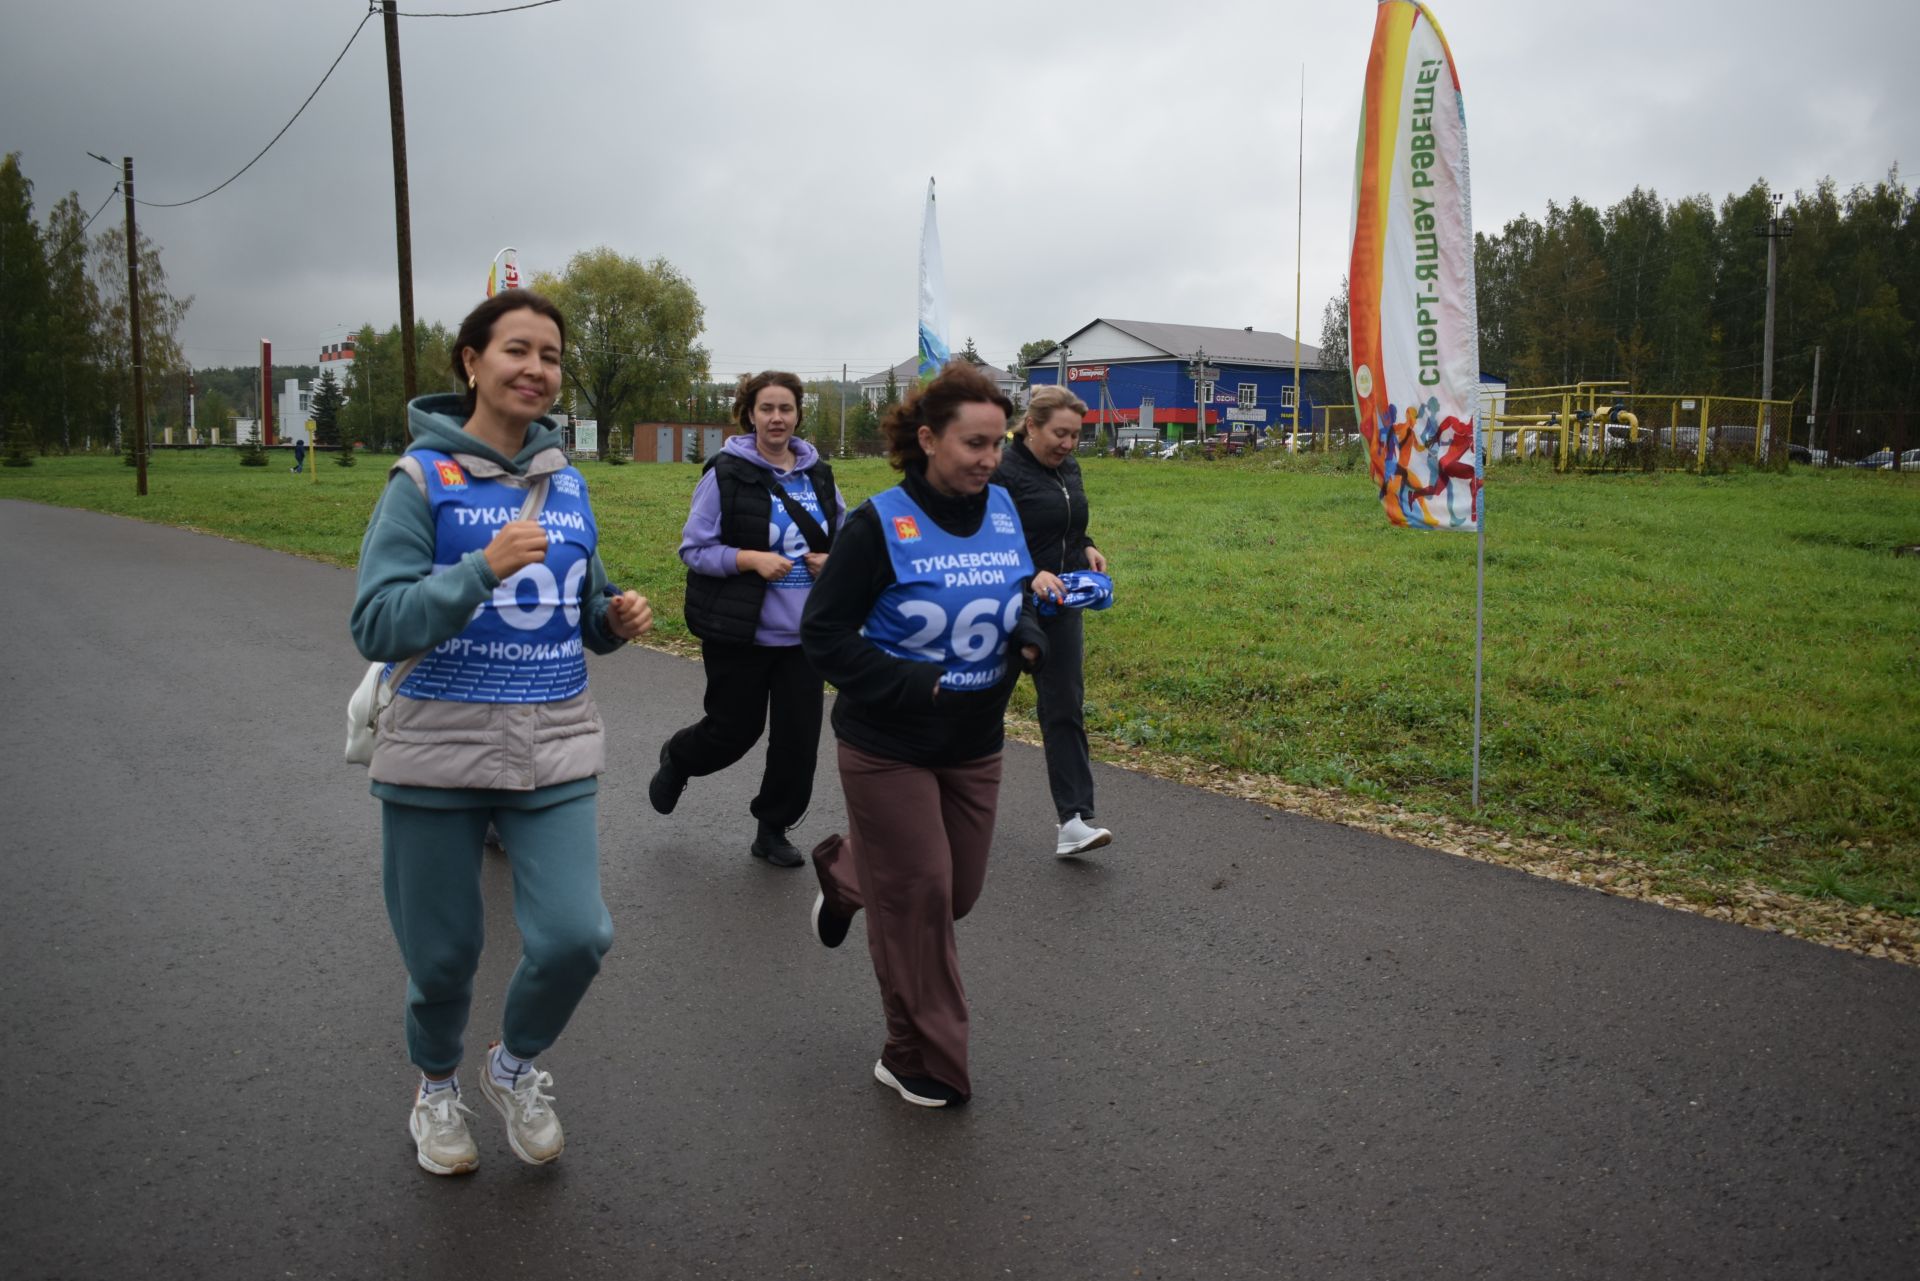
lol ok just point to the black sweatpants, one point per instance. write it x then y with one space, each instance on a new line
1059 695
748 685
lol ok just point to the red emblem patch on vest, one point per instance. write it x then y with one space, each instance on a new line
450 475
905 529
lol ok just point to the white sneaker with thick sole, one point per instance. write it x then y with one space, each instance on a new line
533 1131
1077 836
440 1134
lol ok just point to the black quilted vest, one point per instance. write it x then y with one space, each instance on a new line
728 609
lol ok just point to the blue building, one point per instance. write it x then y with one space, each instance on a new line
1139 378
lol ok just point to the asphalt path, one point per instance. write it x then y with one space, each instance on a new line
1238 1043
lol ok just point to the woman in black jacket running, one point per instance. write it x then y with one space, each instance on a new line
1043 476
922 622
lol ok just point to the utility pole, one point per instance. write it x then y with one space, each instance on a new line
1775 230
1813 406
1299 232
843 409
1200 379
1065 351
133 319
403 235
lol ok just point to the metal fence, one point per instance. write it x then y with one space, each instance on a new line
1604 424
1607 425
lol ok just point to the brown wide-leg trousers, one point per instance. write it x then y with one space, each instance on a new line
915 858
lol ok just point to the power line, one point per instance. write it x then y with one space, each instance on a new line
82 233
276 138
479 13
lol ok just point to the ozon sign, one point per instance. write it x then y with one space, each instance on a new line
1086 373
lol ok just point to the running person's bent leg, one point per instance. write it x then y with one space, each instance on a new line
431 863
969 801
905 876
735 705
564 926
795 696
1060 695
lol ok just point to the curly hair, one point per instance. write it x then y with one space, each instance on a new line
935 405
750 389
1046 402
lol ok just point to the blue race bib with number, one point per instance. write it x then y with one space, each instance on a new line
523 643
785 537
956 600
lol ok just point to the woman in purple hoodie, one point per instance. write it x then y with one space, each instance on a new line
757 537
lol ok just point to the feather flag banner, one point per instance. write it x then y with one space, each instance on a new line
504 271
933 296
1413 338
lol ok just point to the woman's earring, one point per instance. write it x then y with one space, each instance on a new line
472 382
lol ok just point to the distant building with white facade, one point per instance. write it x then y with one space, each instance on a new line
294 405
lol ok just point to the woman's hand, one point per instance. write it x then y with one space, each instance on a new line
629 615
816 562
1031 653
769 565
519 543
1047 585
1095 561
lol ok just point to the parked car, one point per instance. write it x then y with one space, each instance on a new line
1909 461
1879 460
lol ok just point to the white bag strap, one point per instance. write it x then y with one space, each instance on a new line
529 510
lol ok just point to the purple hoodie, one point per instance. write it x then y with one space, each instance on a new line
704 553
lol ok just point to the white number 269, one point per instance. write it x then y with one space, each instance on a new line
979 628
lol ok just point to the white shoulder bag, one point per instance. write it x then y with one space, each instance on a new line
373 695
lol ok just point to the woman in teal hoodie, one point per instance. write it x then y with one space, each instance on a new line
493 724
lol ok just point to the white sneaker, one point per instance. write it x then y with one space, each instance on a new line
533 1131
1077 836
440 1135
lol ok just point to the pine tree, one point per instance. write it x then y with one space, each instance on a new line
252 452
23 304
327 400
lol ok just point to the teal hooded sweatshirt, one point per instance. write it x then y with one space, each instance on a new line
402 607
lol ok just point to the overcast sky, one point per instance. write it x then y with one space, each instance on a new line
1123 158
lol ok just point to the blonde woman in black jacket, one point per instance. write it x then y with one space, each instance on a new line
1039 470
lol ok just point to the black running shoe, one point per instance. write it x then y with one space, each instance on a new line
828 925
667 783
773 846
921 1091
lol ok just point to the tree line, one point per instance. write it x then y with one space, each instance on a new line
65 348
632 353
1671 296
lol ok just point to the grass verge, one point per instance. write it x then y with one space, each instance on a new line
1706 684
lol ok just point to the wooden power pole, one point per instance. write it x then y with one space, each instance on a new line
133 320
403 236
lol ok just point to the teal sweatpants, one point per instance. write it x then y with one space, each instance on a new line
431 865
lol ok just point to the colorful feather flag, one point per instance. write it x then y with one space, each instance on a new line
510 259
1413 337
933 296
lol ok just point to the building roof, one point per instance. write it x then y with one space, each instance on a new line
908 371
1161 341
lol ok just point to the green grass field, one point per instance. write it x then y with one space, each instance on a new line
1714 675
